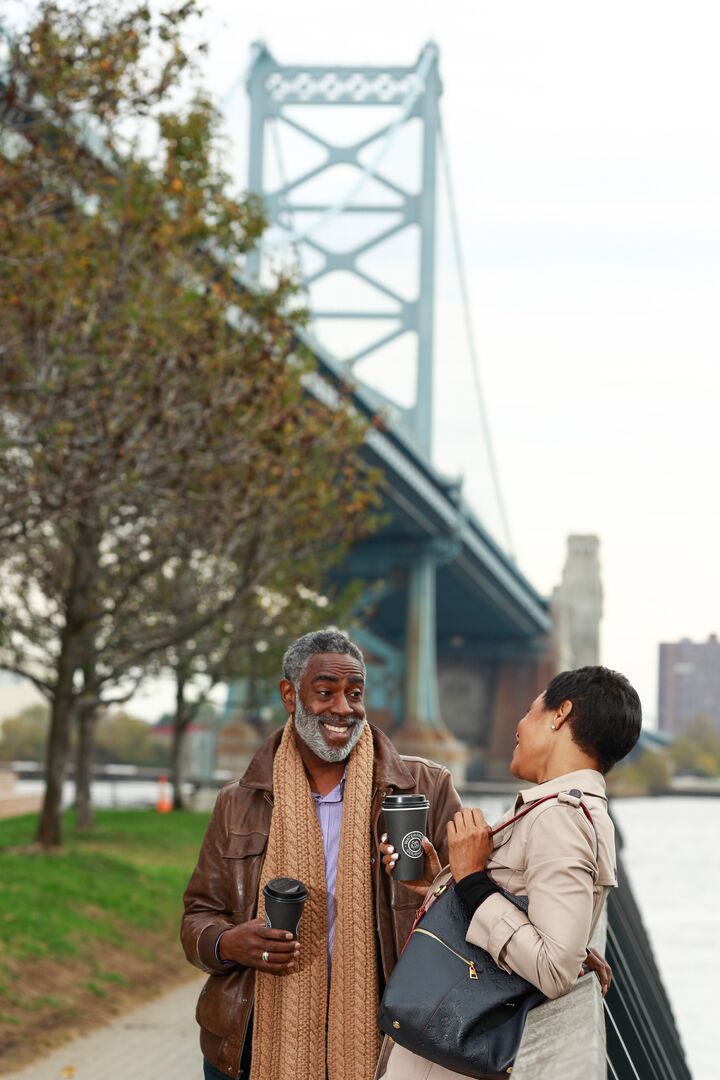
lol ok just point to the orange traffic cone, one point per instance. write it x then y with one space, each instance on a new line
164 803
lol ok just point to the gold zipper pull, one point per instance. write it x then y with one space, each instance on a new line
472 970
439 891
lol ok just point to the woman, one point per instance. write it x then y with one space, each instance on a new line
573 733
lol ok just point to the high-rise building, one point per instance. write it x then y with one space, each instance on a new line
689 684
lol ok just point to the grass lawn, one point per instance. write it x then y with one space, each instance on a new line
92 929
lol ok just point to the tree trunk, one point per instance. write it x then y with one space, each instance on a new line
49 832
180 726
77 614
87 720
87 713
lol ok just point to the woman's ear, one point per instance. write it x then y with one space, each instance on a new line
562 713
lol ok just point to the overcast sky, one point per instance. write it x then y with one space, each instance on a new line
586 161
585 153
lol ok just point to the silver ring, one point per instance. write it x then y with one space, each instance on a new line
266 957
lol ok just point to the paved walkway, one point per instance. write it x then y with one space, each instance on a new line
156 1041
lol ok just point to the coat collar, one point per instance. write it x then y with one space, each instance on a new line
588 781
389 770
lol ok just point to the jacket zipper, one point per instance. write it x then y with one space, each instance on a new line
472 970
251 994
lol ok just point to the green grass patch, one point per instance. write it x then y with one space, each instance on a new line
45 1001
126 876
112 977
82 929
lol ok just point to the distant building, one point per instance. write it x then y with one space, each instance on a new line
577 605
689 684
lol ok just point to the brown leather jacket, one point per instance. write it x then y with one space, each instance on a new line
222 891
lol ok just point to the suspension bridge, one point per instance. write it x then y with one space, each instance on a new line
348 161
457 639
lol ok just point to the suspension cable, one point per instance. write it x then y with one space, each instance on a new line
285 208
472 345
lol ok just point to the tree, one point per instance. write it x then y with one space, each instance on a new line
649 773
227 647
152 414
697 751
24 737
123 739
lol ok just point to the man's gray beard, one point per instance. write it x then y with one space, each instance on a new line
308 728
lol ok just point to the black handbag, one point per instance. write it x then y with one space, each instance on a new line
447 1000
450 1003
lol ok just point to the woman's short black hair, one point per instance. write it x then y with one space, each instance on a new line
606 714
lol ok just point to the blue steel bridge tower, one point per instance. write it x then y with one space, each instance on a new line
377 209
345 160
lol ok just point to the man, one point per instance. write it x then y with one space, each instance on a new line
308 807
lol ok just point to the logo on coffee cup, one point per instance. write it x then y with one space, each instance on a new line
411 844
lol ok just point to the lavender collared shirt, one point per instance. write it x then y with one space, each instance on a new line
329 811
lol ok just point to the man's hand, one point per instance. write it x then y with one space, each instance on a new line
597 963
246 944
470 843
431 865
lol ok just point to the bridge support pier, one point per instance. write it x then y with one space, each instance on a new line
423 731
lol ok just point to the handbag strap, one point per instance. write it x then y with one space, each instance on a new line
537 802
499 828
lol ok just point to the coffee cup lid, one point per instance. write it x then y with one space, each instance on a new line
286 888
405 802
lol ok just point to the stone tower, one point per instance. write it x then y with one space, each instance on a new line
577 605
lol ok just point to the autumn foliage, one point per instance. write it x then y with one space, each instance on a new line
160 455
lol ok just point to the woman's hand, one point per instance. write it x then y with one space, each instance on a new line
470 842
431 865
597 963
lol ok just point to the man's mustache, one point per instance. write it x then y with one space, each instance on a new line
335 719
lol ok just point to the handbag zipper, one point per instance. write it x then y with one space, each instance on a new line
470 963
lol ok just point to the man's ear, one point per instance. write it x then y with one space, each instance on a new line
287 695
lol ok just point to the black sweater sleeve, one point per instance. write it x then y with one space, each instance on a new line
474 889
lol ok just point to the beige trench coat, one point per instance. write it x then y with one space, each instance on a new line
565 867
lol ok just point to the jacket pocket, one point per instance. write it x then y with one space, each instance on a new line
240 845
403 898
243 855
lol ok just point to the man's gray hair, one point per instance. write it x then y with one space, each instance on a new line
298 654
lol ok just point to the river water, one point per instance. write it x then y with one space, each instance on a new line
671 855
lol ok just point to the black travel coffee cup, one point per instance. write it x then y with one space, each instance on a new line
405 825
284 901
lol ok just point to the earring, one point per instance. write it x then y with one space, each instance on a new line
552 727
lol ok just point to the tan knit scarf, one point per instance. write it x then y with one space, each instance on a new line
291 1011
